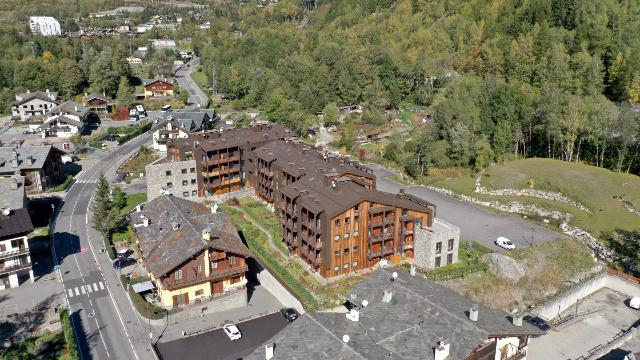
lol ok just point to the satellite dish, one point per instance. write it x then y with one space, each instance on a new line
394 275
345 339
365 303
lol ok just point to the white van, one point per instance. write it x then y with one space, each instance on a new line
141 111
165 108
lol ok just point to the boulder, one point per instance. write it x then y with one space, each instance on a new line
504 267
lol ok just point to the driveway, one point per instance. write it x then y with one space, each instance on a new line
215 345
475 223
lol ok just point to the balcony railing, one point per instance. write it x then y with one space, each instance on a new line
21 251
215 275
13 268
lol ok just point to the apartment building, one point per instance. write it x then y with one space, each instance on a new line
191 253
44 25
40 165
31 104
15 261
180 124
395 315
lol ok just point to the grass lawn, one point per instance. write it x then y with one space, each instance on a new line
468 263
200 78
548 269
595 187
50 346
136 165
133 200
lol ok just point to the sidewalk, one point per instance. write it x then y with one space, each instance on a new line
261 303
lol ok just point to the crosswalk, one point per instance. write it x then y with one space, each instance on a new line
86 181
85 289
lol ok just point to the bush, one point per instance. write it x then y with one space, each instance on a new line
63 186
147 310
69 338
138 130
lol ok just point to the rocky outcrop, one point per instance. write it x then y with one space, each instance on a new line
504 267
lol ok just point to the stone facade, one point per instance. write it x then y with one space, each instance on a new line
436 246
175 178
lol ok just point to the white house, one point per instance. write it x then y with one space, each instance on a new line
34 103
15 260
63 126
45 26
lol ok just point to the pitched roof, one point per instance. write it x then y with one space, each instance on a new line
12 198
190 121
151 81
164 248
71 107
96 96
72 120
255 134
419 314
18 222
38 153
42 95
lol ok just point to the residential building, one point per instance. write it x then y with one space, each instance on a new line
31 104
41 166
98 103
158 88
394 315
162 43
179 124
191 253
13 192
72 108
330 214
44 25
15 261
63 126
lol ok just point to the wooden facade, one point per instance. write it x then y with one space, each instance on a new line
158 88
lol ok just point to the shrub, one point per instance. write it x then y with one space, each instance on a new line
64 185
147 310
138 130
69 338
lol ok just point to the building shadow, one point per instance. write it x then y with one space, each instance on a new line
18 326
66 244
84 338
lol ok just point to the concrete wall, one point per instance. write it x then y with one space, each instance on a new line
567 299
276 289
425 240
231 301
157 178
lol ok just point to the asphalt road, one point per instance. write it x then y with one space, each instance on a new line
104 321
215 345
197 97
475 223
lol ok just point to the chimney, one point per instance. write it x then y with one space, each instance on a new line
15 161
473 313
14 184
214 208
206 233
441 350
175 226
76 108
29 160
516 319
353 315
138 207
388 295
269 350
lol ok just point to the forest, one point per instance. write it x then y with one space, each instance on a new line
501 79
497 79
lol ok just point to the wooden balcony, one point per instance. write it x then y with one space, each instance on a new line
215 275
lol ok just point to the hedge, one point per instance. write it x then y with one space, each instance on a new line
63 186
69 338
149 311
138 130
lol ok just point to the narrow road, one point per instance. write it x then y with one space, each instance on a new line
197 98
105 324
475 223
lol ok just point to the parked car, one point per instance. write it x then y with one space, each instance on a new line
289 314
537 322
141 111
112 137
505 243
120 263
634 302
232 331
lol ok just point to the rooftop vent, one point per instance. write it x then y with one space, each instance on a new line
345 338
30 160
441 350
6 211
138 207
214 208
388 295
14 184
206 233
473 313
175 226
516 319
145 222
353 315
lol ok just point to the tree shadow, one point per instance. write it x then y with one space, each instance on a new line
18 326
85 339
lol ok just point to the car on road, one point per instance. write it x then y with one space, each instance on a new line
505 243
232 332
165 108
538 322
120 263
289 314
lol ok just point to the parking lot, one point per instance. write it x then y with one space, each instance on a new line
578 336
215 345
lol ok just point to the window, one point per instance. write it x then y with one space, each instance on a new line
337 253
346 251
437 261
214 264
356 218
355 264
169 184
199 269
451 244
439 248
192 170
199 292
336 269
346 220
405 211
346 266
235 280
193 181
185 182
231 259
337 222
185 194
3 247
356 208
167 173
356 233
184 171
337 237
355 249
346 235
204 158
450 259
179 274
194 192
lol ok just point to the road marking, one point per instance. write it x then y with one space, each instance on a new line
95 287
70 292
77 291
102 337
89 289
101 286
82 290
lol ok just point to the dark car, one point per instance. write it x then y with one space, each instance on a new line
120 263
537 322
289 314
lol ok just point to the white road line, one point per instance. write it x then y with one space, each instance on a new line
70 292
102 337
77 291
88 289
101 286
95 287
82 289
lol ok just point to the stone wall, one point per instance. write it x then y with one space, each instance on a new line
157 179
271 284
425 240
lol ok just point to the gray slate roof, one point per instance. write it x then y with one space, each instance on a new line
71 107
58 118
12 198
408 327
190 121
164 249
42 95
97 96
18 223
39 154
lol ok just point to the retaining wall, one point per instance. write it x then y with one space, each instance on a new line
276 289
